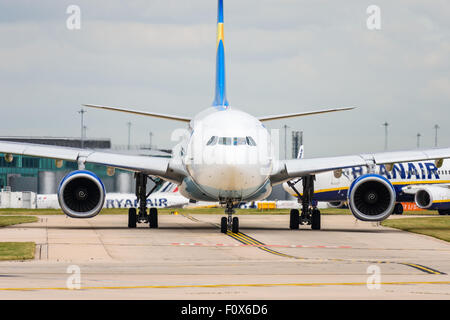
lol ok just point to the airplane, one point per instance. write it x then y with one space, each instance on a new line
224 155
167 196
419 182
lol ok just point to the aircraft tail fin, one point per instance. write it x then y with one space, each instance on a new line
169 187
220 100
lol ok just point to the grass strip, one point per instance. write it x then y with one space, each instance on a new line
438 227
17 250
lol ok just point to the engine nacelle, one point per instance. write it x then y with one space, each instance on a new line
81 194
433 198
371 197
337 204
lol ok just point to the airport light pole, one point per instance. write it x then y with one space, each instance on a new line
285 141
129 135
385 135
151 135
436 127
82 112
418 140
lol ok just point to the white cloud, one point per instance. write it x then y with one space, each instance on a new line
282 56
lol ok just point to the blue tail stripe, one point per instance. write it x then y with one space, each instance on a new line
220 12
220 99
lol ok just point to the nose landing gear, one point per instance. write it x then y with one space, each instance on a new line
230 222
310 214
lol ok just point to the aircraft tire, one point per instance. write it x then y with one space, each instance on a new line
398 209
153 218
132 218
315 219
294 220
223 225
235 225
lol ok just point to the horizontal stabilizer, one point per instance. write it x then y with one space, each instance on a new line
142 113
301 114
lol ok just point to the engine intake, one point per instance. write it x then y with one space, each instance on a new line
337 204
423 199
371 198
433 198
81 194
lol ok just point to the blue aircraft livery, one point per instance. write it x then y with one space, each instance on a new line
128 203
402 171
406 178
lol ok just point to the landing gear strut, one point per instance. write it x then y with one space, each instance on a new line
229 223
310 214
142 195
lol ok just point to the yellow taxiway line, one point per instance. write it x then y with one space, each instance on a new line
305 284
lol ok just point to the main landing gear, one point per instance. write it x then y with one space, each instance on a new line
310 214
141 193
229 223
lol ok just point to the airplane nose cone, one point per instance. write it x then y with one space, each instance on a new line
230 171
231 176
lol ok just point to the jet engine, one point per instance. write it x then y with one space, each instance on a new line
337 204
81 194
433 198
371 197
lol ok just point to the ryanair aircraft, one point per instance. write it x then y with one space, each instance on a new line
225 155
420 182
167 196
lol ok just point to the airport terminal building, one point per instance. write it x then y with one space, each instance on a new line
42 176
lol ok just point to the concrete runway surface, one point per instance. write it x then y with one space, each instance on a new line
188 258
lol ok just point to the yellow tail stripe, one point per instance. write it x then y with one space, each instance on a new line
220 35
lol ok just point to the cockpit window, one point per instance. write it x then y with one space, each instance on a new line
212 141
250 141
225 141
228 141
239 141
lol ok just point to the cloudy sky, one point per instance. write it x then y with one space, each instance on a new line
282 56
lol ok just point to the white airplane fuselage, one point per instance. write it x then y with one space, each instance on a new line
227 155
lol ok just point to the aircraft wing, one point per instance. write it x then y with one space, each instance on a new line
150 165
412 189
141 113
302 114
287 169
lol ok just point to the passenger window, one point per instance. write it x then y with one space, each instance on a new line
212 141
